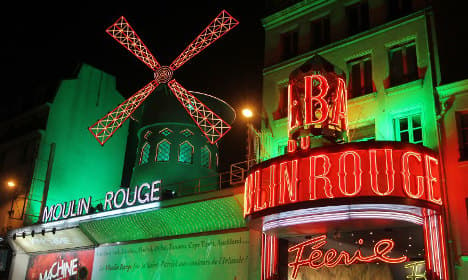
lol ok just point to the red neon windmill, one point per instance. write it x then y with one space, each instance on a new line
212 126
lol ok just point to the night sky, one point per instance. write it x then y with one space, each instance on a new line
45 42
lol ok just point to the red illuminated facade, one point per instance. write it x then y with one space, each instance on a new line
360 141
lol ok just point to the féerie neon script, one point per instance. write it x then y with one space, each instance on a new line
331 258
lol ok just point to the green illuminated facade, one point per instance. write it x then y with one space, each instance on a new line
389 51
79 167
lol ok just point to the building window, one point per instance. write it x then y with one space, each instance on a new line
205 157
289 44
163 150
144 154
360 77
186 152
462 122
147 135
282 149
358 17
186 132
362 133
166 131
399 8
409 129
282 109
320 32
403 64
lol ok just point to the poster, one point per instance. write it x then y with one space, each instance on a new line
221 256
73 265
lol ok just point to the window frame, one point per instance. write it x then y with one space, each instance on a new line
157 151
325 32
191 154
361 24
143 150
361 60
410 129
406 76
293 43
205 148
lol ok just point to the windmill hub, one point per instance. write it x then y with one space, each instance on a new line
163 74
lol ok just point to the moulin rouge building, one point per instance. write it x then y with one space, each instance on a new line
359 173
361 150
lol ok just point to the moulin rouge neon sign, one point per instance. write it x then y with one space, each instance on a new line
145 193
352 172
316 108
376 169
331 258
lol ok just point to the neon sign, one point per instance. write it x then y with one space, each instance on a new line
317 102
145 193
331 258
387 169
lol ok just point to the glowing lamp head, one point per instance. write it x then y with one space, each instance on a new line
247 113
11 184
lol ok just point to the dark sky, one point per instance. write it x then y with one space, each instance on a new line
43 42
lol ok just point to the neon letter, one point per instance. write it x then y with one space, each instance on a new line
340 111
108 200
357 173
248 194
305 143
290 179
259 203
273 185
405 172
430 161
309 98
294 110
389 171
292 146
314 176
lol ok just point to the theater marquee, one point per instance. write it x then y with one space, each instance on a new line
359 170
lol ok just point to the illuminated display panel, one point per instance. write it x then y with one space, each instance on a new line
385 171
384 254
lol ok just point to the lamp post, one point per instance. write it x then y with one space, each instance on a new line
248 115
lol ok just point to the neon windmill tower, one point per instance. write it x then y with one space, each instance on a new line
212 126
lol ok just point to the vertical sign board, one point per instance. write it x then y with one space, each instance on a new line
62 265
221 256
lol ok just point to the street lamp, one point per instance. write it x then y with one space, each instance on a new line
248 115
11 184
246 112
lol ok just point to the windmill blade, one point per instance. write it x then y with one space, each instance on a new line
104 128
217 28
123 33
212 126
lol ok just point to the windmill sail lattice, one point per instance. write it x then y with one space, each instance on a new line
217 28
212 126
209 122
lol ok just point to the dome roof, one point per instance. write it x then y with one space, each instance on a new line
162 106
